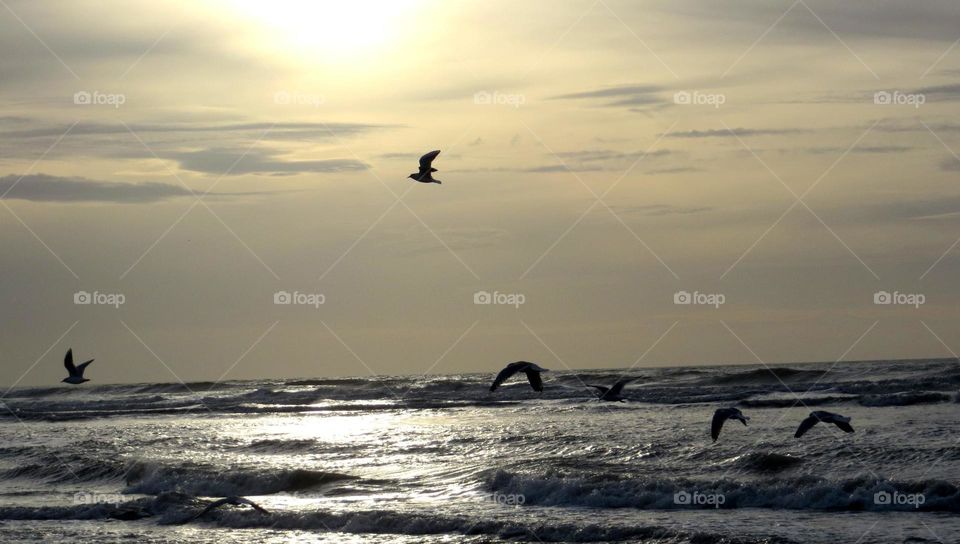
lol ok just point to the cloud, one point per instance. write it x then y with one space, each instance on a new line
655 210
258 161
950 164
45 188
266 130
875 149
674 170
628 95
739 131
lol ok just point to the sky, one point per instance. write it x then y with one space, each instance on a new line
217 190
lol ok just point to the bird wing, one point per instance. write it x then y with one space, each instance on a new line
82 366
805 425
844 426
503 376
427 160
718 418
618 387
535 382
68 362
257 507
602 388
213 505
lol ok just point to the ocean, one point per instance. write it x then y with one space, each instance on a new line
440 459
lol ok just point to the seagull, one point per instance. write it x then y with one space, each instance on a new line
611 394
424 175
235 501
723 414
530 369
76 372
827 417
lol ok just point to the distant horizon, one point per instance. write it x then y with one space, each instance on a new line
492 372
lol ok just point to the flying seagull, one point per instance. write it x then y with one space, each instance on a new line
723 414
426 169
235 501
76 372
530 369
826 417
611 394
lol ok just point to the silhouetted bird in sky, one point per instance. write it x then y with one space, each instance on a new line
530 369
827 417
424 175
611 394
723 414
76 372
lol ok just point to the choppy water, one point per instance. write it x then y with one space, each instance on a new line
439 459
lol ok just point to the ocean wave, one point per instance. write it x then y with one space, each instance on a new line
177 508
279 445
800 493
759 461
210 481
906 399
774 375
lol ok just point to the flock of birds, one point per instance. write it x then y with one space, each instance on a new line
532 371
614 394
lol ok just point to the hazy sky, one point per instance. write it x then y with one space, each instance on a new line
600 158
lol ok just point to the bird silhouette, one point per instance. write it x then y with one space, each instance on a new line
76 371
426 169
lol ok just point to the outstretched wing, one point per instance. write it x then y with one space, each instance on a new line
618 387
427 160
503 376
535 382
718 418
844 426
68 362
805 425
213 505
83 366
601 388
257 507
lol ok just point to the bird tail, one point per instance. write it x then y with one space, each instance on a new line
437 181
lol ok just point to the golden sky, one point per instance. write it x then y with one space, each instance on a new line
600 159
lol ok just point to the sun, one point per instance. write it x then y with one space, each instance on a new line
331 28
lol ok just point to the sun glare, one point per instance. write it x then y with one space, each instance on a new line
334 29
